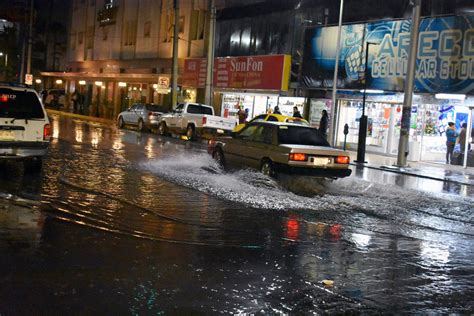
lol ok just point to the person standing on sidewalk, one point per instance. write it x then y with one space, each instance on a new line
451 136
323 123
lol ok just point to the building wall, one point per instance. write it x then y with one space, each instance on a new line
143 29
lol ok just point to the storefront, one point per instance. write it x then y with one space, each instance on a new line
429 120
106 95
445 65
254 83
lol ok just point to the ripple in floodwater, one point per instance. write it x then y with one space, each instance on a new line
387 203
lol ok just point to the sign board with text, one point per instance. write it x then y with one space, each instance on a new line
29 79
445 57
245 72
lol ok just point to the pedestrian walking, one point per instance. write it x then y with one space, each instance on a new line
451 136
276 110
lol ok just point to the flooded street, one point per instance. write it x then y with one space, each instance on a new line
121 222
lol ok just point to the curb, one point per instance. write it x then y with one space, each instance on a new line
411 174
82 117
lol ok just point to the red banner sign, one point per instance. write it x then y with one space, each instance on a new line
246 72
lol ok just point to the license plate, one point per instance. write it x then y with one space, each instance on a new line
7 135
317 161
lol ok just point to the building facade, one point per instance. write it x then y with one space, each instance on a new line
120 51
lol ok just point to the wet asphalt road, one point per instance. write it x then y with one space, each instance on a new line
120 222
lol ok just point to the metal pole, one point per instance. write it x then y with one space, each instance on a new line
409 85
174 76
331 135
468 136
30 39
210 53
363 118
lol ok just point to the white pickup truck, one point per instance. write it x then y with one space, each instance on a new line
195 120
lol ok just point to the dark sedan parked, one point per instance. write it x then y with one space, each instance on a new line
273 147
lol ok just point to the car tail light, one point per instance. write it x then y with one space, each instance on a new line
298 157
150 114
342 160
204 120
47 132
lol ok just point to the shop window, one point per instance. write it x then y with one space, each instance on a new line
147 29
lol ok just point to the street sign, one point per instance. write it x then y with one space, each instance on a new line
29 79
163 82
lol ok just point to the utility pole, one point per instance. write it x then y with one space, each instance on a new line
331 135
210 53
409 85
30 39
174 75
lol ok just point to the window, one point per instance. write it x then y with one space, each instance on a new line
147 29
197 109
90 37
80 38
179 108
130 33
260 118
296 135
198 24
20 105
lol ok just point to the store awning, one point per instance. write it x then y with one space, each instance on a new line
104 76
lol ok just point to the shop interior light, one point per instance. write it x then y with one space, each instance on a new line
38 81
447 96
372 91
82 82
155 86
59 81
98 83
122 84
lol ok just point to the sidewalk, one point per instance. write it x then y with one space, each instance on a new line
81 116
429 170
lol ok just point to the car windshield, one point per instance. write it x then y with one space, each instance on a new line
155 108
20 104
296 135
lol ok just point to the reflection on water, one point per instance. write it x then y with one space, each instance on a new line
152 224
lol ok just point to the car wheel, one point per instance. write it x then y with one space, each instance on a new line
218 156
267 168
191 132
33 165
162 130
121 123
141 125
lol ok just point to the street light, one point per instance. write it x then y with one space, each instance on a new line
363 118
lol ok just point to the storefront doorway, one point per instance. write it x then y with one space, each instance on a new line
383 130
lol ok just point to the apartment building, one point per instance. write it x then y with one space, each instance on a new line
120 51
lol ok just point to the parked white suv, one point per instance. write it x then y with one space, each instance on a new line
25 130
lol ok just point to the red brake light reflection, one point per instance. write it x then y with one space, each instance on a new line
3 98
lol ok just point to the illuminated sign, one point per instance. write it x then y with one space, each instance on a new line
445 58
